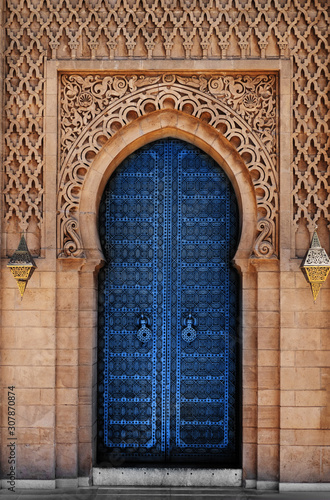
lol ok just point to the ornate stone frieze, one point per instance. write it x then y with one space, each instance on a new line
160 29
253 98
94 107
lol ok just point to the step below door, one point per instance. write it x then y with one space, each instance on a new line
167 350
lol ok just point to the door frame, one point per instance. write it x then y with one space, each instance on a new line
260 422
166 123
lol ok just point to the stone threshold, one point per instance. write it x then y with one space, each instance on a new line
143 476
304 487
46 484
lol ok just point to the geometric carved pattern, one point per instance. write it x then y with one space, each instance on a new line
311 105
24 110
196 29
95 107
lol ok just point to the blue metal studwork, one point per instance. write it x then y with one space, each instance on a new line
168 309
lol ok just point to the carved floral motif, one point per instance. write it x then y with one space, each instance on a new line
241 107
251 97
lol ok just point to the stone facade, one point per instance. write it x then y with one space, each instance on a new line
85 83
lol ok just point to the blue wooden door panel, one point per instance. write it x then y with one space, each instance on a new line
168 309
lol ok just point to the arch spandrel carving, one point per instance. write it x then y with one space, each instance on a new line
143 130
94 108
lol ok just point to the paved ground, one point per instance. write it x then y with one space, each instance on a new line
153 493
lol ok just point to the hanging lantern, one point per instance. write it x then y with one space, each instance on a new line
316 265
22 265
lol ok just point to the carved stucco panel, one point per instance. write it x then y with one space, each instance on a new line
241 107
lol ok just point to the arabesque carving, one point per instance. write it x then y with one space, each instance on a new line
95 107
160 29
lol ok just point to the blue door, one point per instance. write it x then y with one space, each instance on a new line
167 348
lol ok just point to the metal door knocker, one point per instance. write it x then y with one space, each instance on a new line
144 333
189 333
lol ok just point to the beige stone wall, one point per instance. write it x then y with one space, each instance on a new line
28 357
305 423
48 340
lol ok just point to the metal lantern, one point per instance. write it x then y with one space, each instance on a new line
316 265
22 265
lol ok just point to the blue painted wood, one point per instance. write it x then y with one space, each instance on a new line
168 310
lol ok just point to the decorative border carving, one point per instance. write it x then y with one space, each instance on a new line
241 107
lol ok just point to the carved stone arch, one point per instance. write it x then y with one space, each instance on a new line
238 108
161 124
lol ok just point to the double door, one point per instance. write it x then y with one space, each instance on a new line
167 349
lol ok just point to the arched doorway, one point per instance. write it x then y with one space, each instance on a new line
168 311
